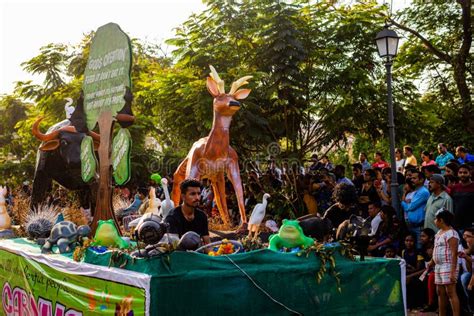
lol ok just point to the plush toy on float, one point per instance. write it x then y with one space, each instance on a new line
5 220
40 221
154 203
358 231
107 235
316 227
289 236
59 156
167 204
68 108
257 216
65 235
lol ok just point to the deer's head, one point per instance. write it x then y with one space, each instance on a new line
226 104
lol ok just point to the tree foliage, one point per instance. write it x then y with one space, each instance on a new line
438 51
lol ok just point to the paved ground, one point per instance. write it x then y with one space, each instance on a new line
418 313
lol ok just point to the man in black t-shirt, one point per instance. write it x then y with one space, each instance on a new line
357 177
316 165
345 197
187 217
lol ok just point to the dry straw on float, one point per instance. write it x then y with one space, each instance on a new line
251 244
119 203
74 214
20 210
80 251
215 223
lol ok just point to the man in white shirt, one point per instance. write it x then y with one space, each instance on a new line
374 213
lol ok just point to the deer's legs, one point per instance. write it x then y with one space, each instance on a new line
178 177
233 173
219 193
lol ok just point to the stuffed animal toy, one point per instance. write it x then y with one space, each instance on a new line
107 235
289 236
167 205
257 216
5 221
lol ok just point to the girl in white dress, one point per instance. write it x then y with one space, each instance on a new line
445 260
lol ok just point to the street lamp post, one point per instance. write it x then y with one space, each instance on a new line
387 45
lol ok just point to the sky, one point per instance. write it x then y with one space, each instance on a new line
27 25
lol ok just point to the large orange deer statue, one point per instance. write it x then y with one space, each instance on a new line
211 157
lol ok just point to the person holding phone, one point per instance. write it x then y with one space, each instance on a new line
368 192
415 208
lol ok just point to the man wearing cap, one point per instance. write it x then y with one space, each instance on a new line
438 199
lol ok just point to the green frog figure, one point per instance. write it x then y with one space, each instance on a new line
108 236
290 235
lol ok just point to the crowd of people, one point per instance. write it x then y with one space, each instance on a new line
431 228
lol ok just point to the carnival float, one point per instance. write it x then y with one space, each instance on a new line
65 266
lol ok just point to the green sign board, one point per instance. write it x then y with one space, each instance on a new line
121 148
107 73
88 159
33 288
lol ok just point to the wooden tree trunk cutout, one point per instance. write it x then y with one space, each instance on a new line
104 210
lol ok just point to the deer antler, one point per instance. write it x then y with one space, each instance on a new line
220 83
239 83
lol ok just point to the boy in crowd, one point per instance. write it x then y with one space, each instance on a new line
379 162
410 158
